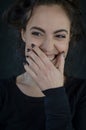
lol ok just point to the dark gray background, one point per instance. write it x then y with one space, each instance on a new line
11 64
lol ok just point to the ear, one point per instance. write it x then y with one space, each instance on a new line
23 35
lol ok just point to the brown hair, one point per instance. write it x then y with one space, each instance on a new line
17 14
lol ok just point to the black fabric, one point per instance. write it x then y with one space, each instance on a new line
62 108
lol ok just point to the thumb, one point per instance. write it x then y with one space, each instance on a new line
61 62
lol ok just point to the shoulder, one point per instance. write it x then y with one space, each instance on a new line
75 82
83 91
6 82
75 86
5 87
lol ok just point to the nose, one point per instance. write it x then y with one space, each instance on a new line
47 45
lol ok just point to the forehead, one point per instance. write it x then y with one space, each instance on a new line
49 15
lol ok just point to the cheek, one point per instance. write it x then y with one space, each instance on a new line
66 46
29 40
61 46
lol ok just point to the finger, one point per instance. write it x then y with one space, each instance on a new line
60 62
29 70
41 55
32 65
36 59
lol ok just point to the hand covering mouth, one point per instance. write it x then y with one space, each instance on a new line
54 58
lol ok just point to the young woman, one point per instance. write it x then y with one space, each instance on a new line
43 98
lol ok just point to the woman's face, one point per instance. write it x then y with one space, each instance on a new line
49 29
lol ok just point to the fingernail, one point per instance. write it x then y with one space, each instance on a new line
26 56
28 49
32 45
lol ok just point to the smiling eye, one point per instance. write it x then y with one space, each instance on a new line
36 34
60 36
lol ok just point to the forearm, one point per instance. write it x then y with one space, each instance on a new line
58 116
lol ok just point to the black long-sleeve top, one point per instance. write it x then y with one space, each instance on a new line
62 108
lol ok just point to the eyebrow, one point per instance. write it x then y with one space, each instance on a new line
38 28
42 30
61 30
